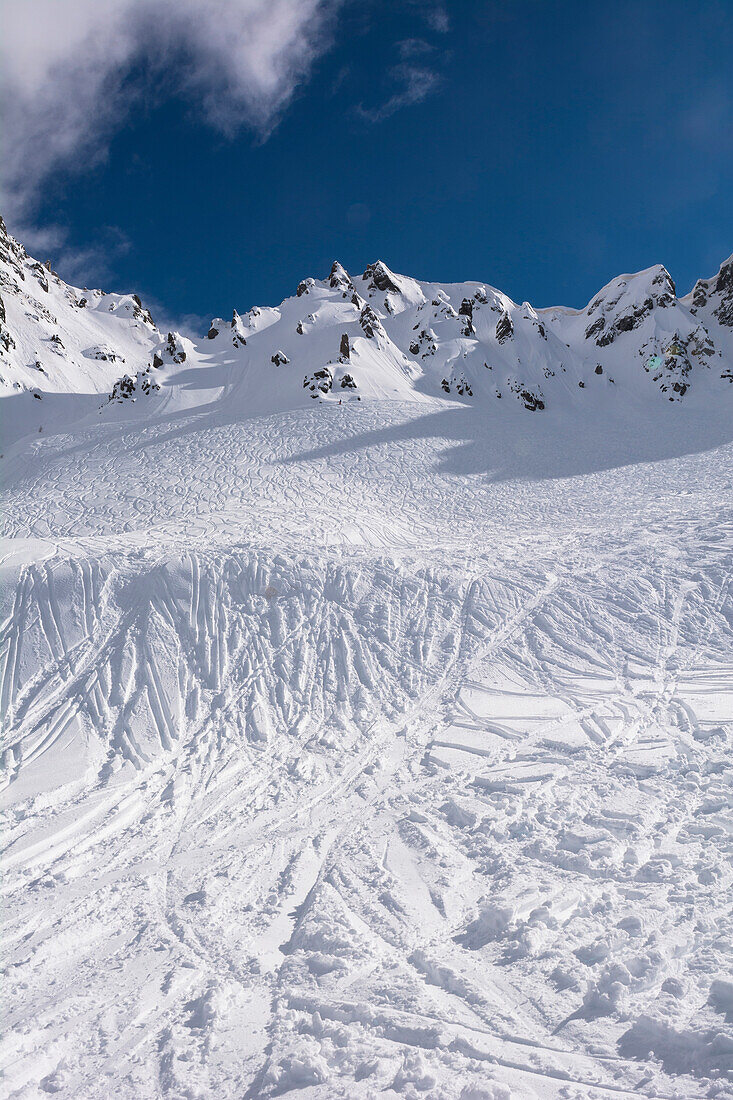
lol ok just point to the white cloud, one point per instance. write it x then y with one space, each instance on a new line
415 83
73 70
413 47
438 20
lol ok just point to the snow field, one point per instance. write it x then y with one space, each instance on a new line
347 823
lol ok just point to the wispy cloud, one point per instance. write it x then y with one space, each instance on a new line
414 84
193 325
413 47
437 18
433 12
88 265
73 71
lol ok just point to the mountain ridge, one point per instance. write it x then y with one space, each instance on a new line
377 335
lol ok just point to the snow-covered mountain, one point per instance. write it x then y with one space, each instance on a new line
366 693
377 335
55 338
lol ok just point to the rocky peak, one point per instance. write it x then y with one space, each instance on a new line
339 279
626 302
370 323
380 277
724 287
716 295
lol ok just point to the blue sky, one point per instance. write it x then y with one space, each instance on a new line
542 147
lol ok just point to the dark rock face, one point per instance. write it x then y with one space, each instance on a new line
531 401
426 342
460 383
238 340
157 360
724 287
212 333
595 327
39 271
320 381
630 321
339 279
175 350
123 388
348 383
344 349
147 385
606 329
279 358
466 311
504 328
6 340
304 287
672 364
370 323
127 388
141 314
12 253
380 278
699 295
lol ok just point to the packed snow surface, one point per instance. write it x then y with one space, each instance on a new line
368 738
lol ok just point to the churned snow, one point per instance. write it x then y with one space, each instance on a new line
368 741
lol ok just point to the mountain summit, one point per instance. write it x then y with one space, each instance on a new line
378 335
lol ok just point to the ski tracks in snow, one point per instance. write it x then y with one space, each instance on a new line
416 788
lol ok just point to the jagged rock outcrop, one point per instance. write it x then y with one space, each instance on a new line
319 382
504 328
716 294
128 388
370 323
339 279
59 338
379 277
393 335
620 307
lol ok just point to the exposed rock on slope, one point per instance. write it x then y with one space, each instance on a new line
56 338
402 338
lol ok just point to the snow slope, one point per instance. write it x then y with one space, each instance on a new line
370 740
